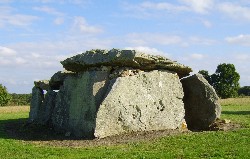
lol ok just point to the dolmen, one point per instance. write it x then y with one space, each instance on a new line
103 93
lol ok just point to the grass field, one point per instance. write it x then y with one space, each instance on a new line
220 144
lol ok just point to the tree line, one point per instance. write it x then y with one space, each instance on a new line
13 99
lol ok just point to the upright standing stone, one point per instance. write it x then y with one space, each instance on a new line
201 102
36 103
77 102
143 102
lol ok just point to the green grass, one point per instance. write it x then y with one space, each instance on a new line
232 144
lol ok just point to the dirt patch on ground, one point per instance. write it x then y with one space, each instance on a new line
224 125
42 135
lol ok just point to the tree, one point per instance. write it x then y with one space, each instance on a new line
4 96
225 80
244 91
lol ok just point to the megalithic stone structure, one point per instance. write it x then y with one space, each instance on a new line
110 92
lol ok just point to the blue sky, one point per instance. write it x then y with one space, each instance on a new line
36 35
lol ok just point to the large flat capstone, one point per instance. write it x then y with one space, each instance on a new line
123 58
201 102
143 102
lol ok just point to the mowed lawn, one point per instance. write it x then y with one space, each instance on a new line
220 144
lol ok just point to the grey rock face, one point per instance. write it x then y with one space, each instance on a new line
201 102
123 58
57 79
146 101
47 107
77 102
36 103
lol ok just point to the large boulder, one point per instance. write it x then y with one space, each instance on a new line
77 102
123 58
201 102
143 102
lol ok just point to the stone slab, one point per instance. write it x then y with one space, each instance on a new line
123 58
77 102
201 102
143 102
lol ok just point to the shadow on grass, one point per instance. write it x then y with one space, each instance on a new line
20 130
236 112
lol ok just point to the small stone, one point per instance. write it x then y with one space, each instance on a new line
184 125
226 121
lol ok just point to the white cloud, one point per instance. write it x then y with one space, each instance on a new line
207 23
201 41
20 61
4 51
81 24
5 1
147 39
52 11
7 17
151 9
161 6
242 57
243 39
235 11
199 6
48 10
47 54
17 20
197 56
147 50
75 2
59 21
151 38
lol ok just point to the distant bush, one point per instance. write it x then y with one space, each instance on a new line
20 99
244 91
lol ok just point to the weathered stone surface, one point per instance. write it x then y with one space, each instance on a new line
143 102
77 102
123 72
47 107
36 103
201 102
57 79
123 58
43 84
